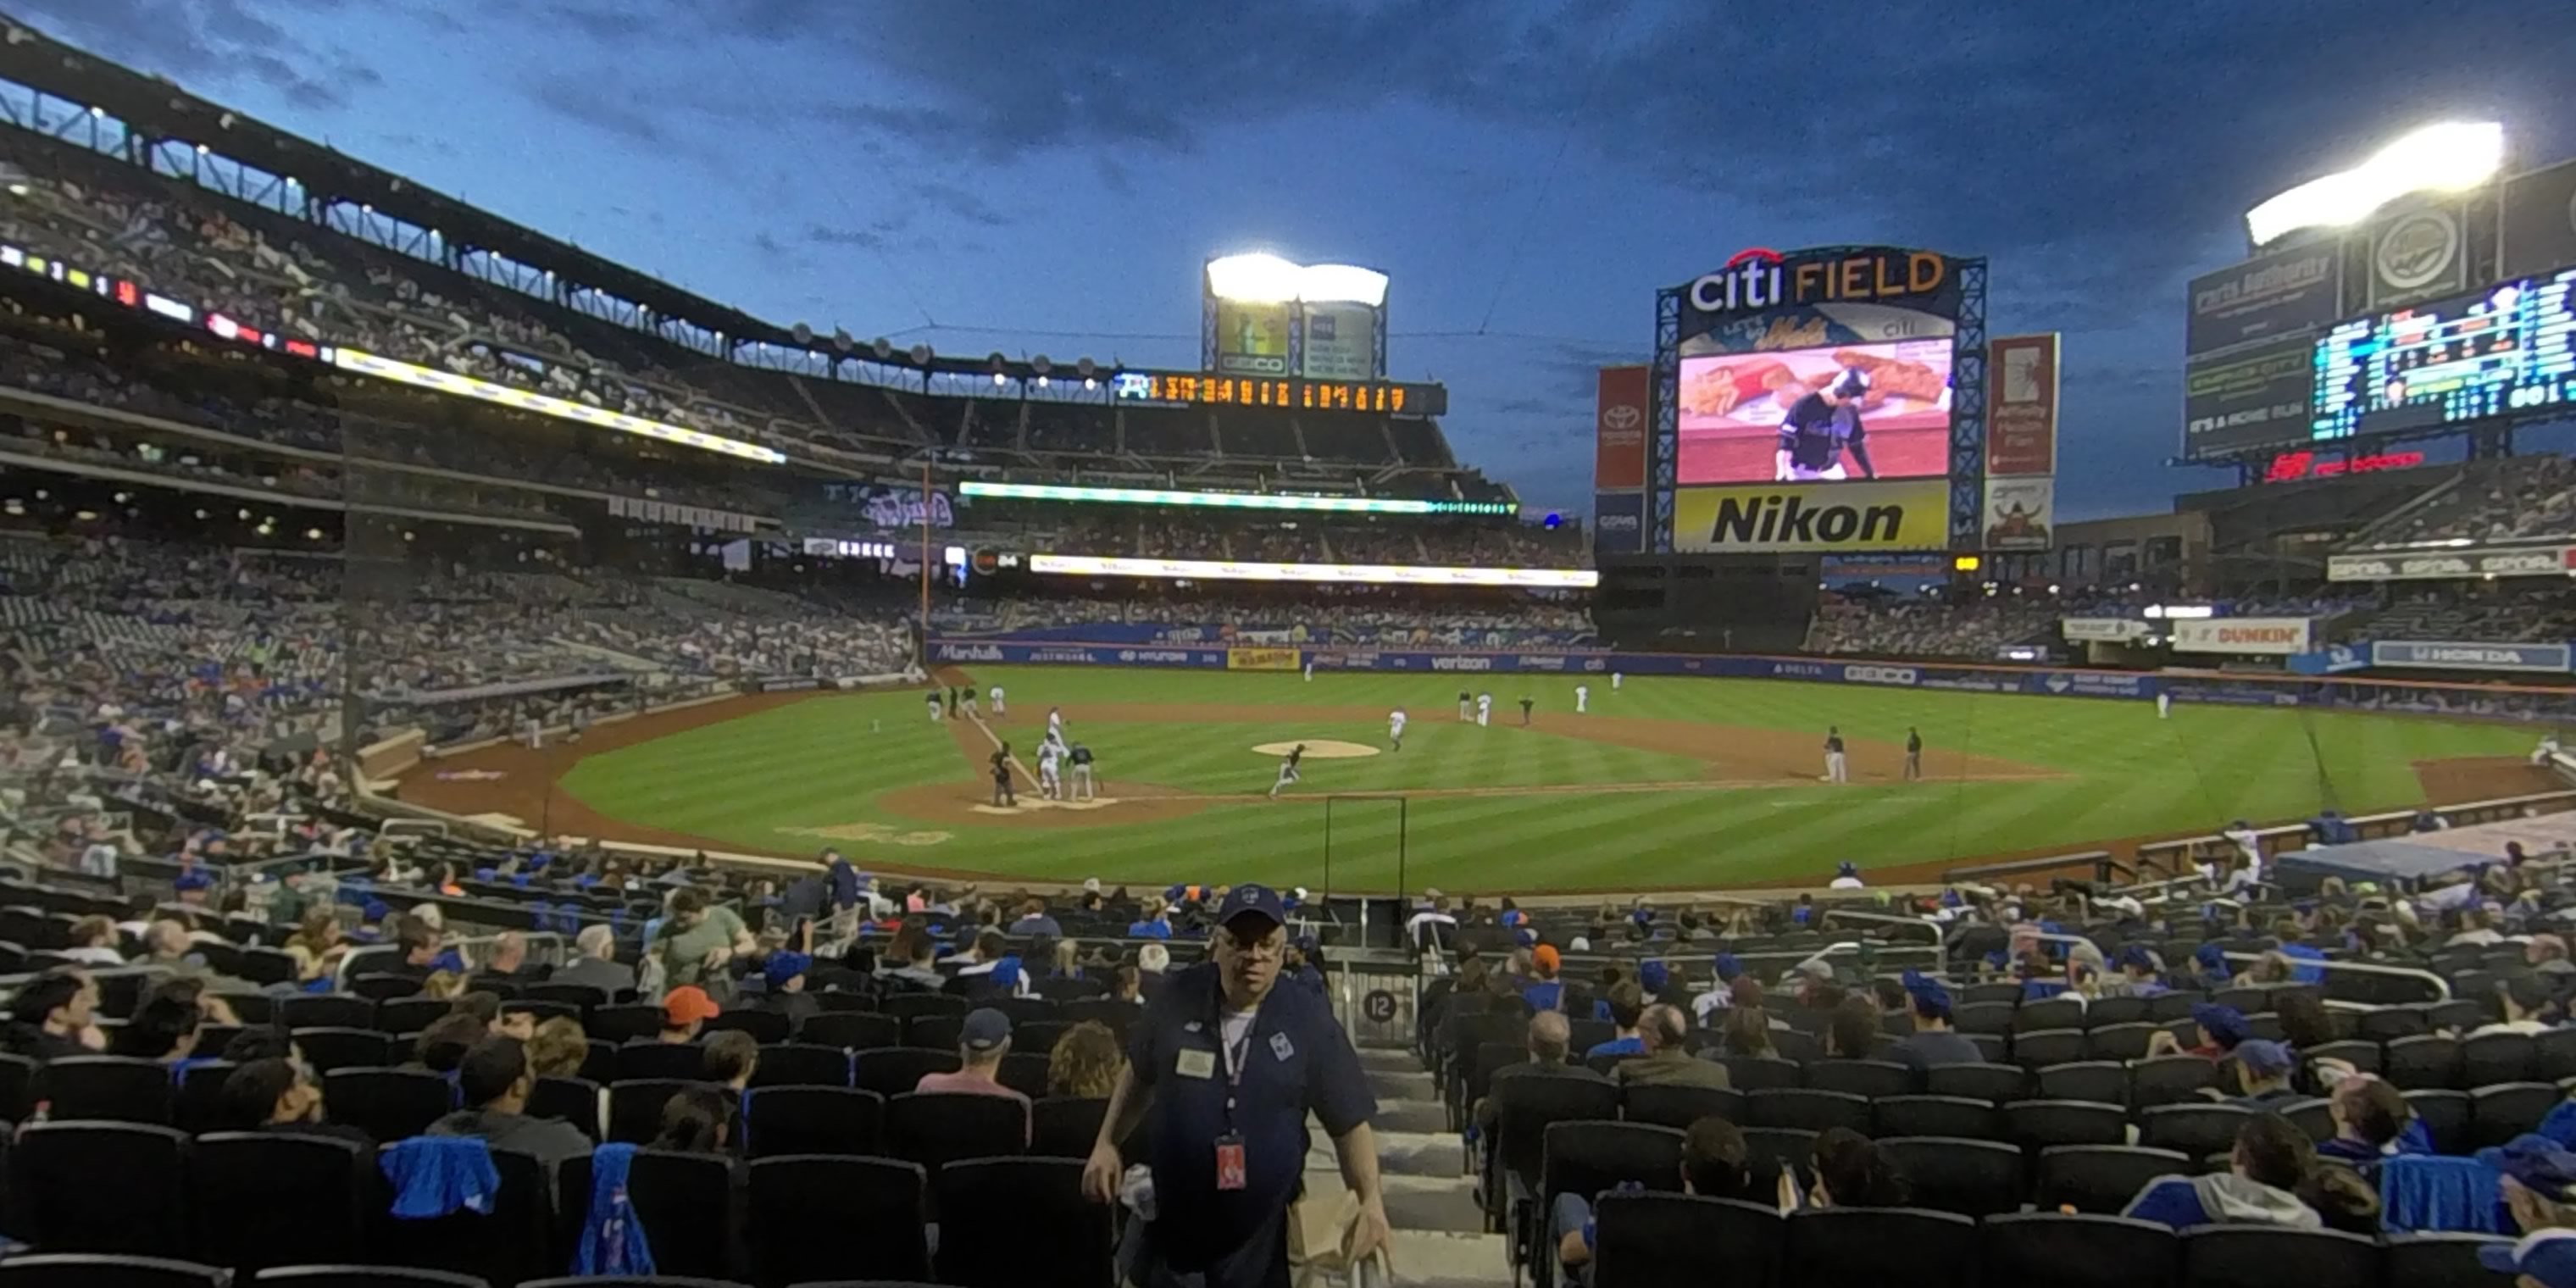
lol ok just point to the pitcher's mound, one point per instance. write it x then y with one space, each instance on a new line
1318 749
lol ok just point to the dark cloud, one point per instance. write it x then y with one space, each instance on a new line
870 238
953 200
207 44
580 98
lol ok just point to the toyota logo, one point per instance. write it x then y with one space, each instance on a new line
1620 416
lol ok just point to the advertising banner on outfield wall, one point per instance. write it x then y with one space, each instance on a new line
2020 513
2108 630
1619 426
2021 412
2540 561
2270 636
2540 221
2445 656
1262 659
1906 514
1618 522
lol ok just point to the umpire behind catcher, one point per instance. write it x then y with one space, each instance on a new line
1229 1067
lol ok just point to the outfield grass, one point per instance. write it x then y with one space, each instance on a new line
828 762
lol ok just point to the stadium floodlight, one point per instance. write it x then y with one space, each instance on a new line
1263 278
2447 157
1342 284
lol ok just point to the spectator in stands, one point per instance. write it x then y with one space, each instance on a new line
419 943
2271 1162
1157 922
2263 1071
597 965
1546 992
317 944
93 943
168 947
54 1016
1747 1032
442 1046
494 1083
1850 1172
2527 1003
1085 1063
1721 994
1035 921
914 953
1627 1003
1667 1062
164 1026
1548 1040
1153 961
1126 984
785 973
732 1057
981 1043
508 962
1933 1041
700 938
697 1120
2138 974
275 1096
685 1012
1713 1167
1852 1030
2372 1121
559 1048
2219 1030
2547 954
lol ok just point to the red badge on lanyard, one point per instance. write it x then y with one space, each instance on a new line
1229 1162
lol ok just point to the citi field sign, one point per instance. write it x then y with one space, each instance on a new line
1759 279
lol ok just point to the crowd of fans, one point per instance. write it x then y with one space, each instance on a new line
1978 628
2532 615
1348 614
2528 498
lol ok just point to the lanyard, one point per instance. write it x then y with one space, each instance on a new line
1236 1055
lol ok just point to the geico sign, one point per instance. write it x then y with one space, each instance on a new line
1880 674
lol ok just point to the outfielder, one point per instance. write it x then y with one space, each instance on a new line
1395 728
1310 670
1050 784
998 709
2164 705
1615 678
1582 697
1464 701
1288 769
1835 771
1081 772
1484 709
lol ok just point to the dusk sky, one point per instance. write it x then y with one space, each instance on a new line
1043 178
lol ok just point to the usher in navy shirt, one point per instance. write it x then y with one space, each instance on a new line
1295 1059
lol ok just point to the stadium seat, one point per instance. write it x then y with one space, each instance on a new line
1931 1116
814 1120
1065 1126
1806 1110
908 1006
517 1240
2078 1251
2168 1080
361 1277
1861 1077
802 1210
2118 1041
574 1100
2195 1130
1768 1149
17 1081
408 1015
2499 1113
1646 1240
1037 1037
661 1061
2315 1118
936 1128
1757 1073
2103 1178
1001 1216
633 1022
1024 1073
2444 1260
83 1270
2115 1012
2445 1115
766 1027
387 1104
326 1011
2362 1056
1860 1247
801 1064
1984 1017
1970 1177
684 1202
2388 1023
106 1088
2048 1014
896 1071
198 1103
1994 1083
2040 1048
851 1030
256 1199
1526 1110
2495 1058
106 1187
346 1048
635 1108
2035 1125
2555 1054
2101 1082
1680 1106
2237 1256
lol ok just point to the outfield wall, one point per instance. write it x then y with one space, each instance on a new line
2472 701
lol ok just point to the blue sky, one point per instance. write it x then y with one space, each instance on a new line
1041 178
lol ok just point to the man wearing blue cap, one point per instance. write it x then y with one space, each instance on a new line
784 972
2221 1030
2542 1259
1933 1041
1229 1067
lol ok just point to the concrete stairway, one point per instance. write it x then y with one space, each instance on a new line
1440 1239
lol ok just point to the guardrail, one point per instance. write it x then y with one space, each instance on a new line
2103 865
2178 857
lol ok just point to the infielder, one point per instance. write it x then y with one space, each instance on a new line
2164 705
1464 701
1288 769
1582 697
1525 710
1913 752
934 706
969 701
1395 728
1081 772
1050 783
1835 771
998 709
1484 709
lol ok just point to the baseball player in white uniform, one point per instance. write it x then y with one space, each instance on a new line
1050 755
1463 703
934 706
1310 670
998 709
1582 695
1484 709
2545 752
1615 678
1395 729
1055 723
2164 706
968 703
1835 769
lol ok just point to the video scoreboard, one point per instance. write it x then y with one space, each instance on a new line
2499 351
1380 397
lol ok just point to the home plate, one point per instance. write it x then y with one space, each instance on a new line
1318 749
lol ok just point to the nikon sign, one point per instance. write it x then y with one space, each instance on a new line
1912 514
2540 561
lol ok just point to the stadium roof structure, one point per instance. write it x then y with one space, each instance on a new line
157 107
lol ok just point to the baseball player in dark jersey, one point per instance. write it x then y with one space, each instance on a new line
1835 770
1819 429
1913 752
1002 794
1288 768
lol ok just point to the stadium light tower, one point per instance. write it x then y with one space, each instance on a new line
2447 157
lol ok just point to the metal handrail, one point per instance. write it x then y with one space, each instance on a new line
2441 986
1832 915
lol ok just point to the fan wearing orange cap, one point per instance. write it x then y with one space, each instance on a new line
1547 992
685 1012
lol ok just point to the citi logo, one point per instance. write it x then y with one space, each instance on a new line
1751 280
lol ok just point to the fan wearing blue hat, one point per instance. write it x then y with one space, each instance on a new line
2541 1259
783 973
1933 1041
1229 1067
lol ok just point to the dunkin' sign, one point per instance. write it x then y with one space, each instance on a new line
2271 636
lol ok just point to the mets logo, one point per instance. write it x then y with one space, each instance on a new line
2417 250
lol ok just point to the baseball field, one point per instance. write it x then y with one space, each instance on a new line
1666 784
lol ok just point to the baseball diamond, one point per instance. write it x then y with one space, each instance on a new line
1666 783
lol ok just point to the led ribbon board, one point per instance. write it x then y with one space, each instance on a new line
1369 574
1231 500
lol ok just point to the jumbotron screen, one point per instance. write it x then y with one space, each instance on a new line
1853 411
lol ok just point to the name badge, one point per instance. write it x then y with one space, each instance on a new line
1280 1047
1195 1064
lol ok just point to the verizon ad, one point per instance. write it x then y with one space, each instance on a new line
2269 636
1619 459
